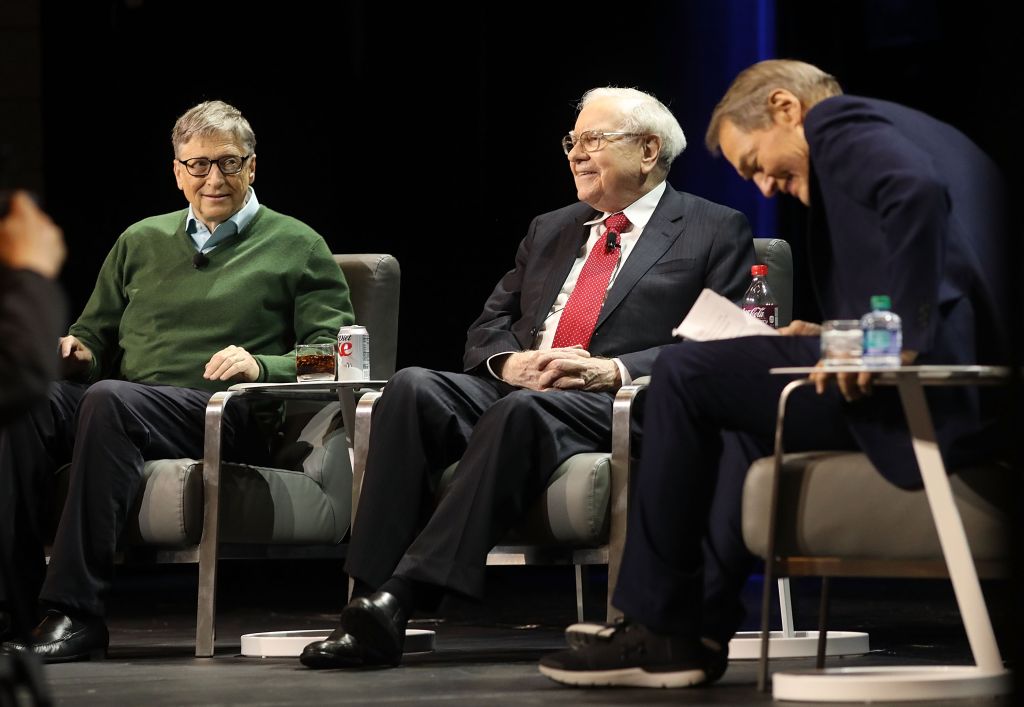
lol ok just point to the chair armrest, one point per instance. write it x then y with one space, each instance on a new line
360 450
208 542
622 414
361 444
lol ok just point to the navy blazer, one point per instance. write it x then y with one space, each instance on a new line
905 205
689 244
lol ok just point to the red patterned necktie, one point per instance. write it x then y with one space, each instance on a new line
580 314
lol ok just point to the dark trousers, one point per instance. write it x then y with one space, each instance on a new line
710 410
106 431
509 441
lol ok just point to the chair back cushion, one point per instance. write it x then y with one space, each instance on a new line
374 283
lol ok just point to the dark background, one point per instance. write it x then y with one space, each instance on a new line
433 134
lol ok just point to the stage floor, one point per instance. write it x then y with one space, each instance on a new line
486 653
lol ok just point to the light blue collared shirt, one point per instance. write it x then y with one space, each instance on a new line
201 234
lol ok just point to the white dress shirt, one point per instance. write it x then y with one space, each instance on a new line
639 214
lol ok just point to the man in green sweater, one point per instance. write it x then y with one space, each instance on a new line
186 304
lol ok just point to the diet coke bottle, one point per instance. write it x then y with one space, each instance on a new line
759 301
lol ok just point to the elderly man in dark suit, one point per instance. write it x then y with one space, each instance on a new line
900 204
594 294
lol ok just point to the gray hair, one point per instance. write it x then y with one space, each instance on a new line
643 113
745 104
213 118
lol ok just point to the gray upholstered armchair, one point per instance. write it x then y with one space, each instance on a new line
197 511
581 518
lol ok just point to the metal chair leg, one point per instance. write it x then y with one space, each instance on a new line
580 583
619 493
769 563
207 599
360 451
822 624
786 608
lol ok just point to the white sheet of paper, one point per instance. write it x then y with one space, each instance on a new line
714 317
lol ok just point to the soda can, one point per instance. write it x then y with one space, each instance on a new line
353 353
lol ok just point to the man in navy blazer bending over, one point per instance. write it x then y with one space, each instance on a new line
593 296
900 204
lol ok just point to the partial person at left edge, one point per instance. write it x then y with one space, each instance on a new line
32 309
32 316
186 304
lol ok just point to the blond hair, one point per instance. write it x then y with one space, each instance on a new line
745 104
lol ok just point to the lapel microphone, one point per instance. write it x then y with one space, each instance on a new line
610 237
199 261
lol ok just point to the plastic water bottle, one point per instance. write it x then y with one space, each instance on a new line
759 301
883 334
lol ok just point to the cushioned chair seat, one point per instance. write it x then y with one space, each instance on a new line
835 504
573 510
258 504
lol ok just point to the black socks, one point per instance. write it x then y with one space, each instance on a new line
412 594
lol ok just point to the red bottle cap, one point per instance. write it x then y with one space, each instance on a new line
758 270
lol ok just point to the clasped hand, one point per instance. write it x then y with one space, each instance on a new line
569 368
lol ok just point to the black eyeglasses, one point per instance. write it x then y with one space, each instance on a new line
200 166
592 140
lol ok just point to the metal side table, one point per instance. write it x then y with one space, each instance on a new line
988 676
343 391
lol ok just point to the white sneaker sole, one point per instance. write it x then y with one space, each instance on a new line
580 635
626 677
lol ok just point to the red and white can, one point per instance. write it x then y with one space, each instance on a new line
353 353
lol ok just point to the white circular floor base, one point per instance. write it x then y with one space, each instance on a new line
746 645
889 684
289 644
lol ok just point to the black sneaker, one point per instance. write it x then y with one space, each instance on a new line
583 634
632 655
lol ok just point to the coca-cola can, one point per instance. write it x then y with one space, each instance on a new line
353 353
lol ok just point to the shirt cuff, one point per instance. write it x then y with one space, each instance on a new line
623 373
491 358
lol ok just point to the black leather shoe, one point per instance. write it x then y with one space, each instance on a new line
377 623
339 650
60 638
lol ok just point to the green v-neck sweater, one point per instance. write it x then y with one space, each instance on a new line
155 318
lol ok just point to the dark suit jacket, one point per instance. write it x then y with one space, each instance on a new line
905 205
689 244
32 317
